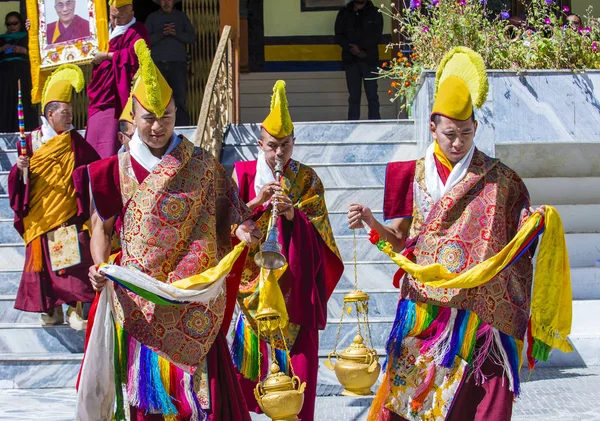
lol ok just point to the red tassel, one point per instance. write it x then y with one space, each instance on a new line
530 359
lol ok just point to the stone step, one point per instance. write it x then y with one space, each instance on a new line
5 210
39 371
21 338
8 158
534 160
328 152
369 190
9 282
330 131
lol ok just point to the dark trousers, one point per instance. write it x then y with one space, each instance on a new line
175 72
356 73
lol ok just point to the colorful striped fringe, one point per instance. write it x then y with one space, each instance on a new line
450 332
151 382
245 352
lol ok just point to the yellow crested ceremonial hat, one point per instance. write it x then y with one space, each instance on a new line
59 86
150 88
119 3
279 122
126 114
461 83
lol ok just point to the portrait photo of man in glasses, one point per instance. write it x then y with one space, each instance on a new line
69 24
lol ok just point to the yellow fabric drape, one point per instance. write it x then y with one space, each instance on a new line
551 299
440 156
52 193
210 275
38 77
270 296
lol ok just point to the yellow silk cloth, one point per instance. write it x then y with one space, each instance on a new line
270 297
52 199
437 150
216 272
551 298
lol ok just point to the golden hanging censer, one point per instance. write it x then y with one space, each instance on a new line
357 367
280 396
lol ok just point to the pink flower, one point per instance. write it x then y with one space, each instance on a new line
462 2
566 9
426 29
547 21
594 47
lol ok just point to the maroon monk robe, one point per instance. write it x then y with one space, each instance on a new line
491 400
227 401
109 89
313 272
43 291
78 28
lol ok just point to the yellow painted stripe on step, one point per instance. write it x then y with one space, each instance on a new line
308 52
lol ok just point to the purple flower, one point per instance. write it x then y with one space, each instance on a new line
426 29
594 46
505 15
547 21
435 2
549 1
462 2
588 29
415 4
566 9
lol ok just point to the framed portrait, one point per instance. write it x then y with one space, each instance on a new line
316 5
66 31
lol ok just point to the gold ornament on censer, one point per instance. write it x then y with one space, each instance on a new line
279 396
357 367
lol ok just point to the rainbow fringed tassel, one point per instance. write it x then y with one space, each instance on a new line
151 383
245 352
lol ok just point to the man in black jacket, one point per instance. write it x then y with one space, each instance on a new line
358 29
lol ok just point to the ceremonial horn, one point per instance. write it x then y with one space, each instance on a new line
269 256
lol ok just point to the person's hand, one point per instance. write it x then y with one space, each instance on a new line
267 191
20 50
248 232
362 55
99 57
541 210
97 280
354 49
284 205
22 162
5 47
357 214
27 24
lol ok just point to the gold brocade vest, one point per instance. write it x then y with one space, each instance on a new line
470 224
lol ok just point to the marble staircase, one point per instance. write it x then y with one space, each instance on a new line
350 158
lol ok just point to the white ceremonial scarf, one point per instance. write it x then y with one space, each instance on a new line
435 187
120 29
48 132
141 153
264 173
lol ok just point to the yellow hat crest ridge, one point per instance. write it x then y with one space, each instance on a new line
461 84
119 3
150 88
279 122
59 86
126 114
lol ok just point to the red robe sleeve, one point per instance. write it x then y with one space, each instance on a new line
313 271
105 187
84 154
398 190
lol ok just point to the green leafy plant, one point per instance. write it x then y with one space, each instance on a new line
542 41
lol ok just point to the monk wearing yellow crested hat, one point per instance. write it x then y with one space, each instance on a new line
126 126
177 206
112 74
454 352
313 269
48 192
